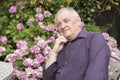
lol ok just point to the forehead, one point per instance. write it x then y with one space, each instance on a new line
63 15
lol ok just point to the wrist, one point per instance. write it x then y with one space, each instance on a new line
51 58
54 53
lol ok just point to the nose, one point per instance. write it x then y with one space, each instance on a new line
63 25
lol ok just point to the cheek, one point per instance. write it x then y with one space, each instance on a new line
59 31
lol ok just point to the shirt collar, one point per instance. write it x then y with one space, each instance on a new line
82 33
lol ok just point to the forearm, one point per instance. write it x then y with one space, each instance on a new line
50 67
49 73
51 59
51 63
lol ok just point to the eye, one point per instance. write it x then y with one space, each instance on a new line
58 25
66 20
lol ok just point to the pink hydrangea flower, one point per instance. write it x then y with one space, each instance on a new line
47 14
38 9
22 7
37 73
20 53
36 63
29 71
82 24
47 51
52 39
12 9
41 25
2 49
35 49
39 57
20 26
21 75
30 21
22 44
112 43
11 57
3 39
50 28
106 36
39 17
28 62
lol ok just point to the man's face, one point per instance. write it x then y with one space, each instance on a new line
67 25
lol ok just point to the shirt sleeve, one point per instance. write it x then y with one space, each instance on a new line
49 73
99 54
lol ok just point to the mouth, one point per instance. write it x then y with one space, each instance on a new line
65 30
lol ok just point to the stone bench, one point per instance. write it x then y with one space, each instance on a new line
114 69
6 70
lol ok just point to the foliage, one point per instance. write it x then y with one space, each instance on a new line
89 9
27 34
25 17
92 27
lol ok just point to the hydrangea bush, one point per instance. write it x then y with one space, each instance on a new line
28 63
113 47
24 20
27 36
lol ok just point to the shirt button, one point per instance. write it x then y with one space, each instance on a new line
65 62
61 72
70 43
66 51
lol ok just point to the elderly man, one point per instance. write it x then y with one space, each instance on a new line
77 54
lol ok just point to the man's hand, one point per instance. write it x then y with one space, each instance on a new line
59 43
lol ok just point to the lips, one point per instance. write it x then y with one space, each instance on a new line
65 30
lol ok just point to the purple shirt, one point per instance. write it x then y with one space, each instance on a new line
85 58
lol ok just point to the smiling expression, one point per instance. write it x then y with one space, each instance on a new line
67 25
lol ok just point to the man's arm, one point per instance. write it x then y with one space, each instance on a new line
51 63
99 59
49 73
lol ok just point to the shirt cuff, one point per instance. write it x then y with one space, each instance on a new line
51 69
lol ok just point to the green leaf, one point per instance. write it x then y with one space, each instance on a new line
17 16
11 15
18 62
4 19
14 39
43 37
8 31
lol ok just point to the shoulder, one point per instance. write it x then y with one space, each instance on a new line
96 40
97 37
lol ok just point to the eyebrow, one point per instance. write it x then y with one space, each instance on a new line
63 20
66 18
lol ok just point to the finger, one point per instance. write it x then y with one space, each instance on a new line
60 38
63 38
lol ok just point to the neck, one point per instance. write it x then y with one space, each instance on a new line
75 35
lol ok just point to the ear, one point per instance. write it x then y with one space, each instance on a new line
78 20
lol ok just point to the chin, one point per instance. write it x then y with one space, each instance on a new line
67 36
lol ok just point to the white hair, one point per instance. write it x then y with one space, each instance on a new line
71 10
